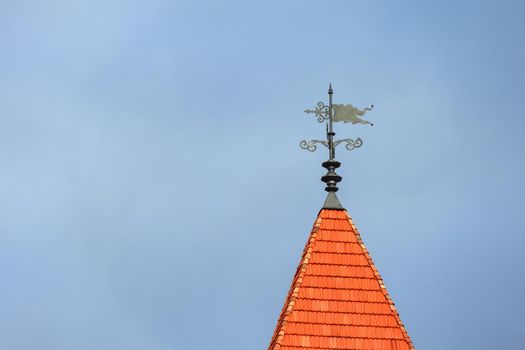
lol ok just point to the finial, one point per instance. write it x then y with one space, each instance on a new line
331 179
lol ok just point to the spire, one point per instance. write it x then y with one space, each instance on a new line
338 299
327 113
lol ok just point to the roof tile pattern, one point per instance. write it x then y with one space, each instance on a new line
337 299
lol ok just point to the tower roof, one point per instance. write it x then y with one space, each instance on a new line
337 299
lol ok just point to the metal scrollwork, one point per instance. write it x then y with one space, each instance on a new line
310 145
350 144
321 112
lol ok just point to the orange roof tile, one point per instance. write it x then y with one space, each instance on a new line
337 299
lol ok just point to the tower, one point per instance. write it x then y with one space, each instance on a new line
337 299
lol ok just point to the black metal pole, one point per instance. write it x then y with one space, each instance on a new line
331 133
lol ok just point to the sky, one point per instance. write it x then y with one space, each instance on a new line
154 195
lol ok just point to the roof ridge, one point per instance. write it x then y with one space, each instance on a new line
337 276
349 337
344 301
289 304
381 282
310 348
344 325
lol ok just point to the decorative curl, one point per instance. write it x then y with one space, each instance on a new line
350 143
311 145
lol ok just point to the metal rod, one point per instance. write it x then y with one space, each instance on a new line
331 134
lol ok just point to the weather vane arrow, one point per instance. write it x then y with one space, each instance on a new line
331 113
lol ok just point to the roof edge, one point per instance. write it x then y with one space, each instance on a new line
289 303
381 283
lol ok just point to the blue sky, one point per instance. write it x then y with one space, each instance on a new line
154 195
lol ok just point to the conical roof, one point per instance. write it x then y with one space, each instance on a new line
337 299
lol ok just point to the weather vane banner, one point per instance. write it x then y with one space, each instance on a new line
350 114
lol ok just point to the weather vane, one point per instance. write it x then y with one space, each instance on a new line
334 113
